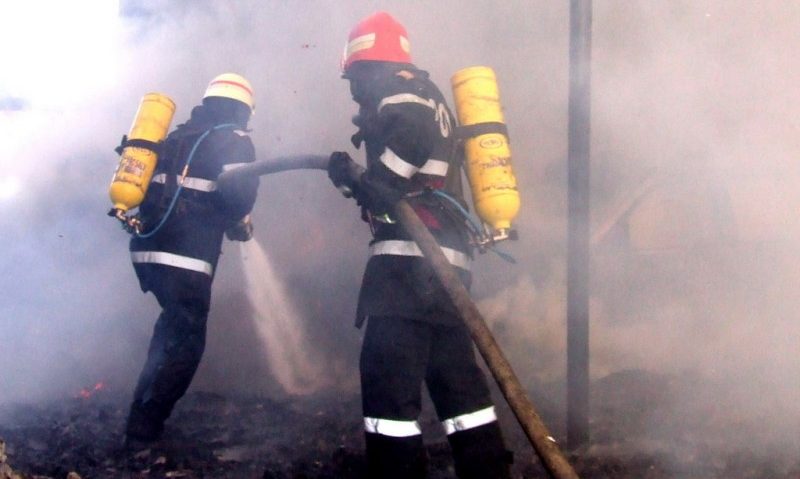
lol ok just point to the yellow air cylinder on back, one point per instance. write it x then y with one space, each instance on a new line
138 160
488 156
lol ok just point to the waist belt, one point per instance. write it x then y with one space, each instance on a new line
171 259
410 248
199 184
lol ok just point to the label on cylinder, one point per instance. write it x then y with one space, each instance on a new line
131 166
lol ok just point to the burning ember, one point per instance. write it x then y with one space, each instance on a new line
86 393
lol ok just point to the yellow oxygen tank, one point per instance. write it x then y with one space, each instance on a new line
488 156
140 153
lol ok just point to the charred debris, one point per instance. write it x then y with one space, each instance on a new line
637 432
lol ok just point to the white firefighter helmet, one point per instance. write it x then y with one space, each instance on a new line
233 86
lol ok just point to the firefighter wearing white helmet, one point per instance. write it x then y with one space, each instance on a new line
233 86
184 217
413 333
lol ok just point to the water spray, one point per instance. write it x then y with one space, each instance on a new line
292 363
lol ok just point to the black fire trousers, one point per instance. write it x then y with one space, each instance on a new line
175 350
397 356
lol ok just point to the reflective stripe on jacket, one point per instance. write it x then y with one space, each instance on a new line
174 260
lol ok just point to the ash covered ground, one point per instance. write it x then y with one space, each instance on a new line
635 434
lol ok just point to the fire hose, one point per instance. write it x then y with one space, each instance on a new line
540 438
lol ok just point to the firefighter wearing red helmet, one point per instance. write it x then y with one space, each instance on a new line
184 216
413 334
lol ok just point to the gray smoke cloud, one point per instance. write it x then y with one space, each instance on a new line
695 204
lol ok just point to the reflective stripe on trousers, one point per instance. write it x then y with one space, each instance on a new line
391 427
469 420
410 248
463 422
171 259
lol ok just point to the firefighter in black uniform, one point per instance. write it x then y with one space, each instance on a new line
413 333
184 217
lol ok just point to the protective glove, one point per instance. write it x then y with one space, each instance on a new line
241 231
344 173
379 189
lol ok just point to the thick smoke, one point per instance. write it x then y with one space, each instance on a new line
695 204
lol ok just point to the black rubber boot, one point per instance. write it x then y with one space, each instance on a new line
479 453
395 458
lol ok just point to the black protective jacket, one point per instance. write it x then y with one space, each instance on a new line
409 135
191 237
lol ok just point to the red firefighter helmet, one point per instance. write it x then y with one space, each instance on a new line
378 37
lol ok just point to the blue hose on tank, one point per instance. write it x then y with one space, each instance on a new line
180 186
473 225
